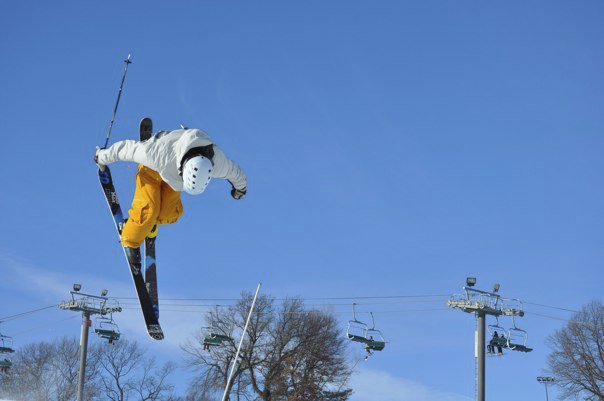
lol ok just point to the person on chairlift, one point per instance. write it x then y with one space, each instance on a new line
495 343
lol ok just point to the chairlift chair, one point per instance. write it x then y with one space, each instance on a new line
220 337
500 340
492 328
6 345
516 340
356 330
374 338
107 329
211 342
213 337
5 365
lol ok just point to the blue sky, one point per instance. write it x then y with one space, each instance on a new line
391 148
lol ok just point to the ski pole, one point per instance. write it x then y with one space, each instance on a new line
127 61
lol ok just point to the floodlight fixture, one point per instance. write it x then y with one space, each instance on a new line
470 281
104 292
545 379
496 288
77 287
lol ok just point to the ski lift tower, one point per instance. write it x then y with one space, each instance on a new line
482 303
89 305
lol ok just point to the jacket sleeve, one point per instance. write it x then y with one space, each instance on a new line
123 151
228 169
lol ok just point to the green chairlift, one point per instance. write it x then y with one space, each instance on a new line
371 338
517 338
211 342
107 329
5 365
514 339
356 330
6 347
213 335
498 337
213 339
374 339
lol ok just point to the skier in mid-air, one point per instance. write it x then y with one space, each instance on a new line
169 162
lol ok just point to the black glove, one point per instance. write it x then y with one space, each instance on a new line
238 193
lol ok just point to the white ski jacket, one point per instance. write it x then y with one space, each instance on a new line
164 151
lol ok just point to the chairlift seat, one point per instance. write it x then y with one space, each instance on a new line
220 337
517 339
376 345
208 340
520 348
357 338
108 334
499 342
6 350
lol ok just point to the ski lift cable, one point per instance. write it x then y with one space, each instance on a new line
306 311
46 325
548 316
11 317
22 314
551 307
307 299
26 313
349 298
574 321
552 317
305 304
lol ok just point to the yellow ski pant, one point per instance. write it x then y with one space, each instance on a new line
155 202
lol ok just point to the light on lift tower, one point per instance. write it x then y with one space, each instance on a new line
103 293
77 287
470 281
496 288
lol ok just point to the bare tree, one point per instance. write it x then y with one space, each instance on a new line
577 359
47 371
152 383
290 354
125 372
30 373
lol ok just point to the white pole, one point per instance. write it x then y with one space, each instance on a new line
247 322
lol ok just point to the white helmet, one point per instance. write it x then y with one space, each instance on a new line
196 174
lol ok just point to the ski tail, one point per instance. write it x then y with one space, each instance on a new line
151 273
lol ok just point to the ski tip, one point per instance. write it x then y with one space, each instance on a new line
155 332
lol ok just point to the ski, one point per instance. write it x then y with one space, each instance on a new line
145 132
132 256
151 274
